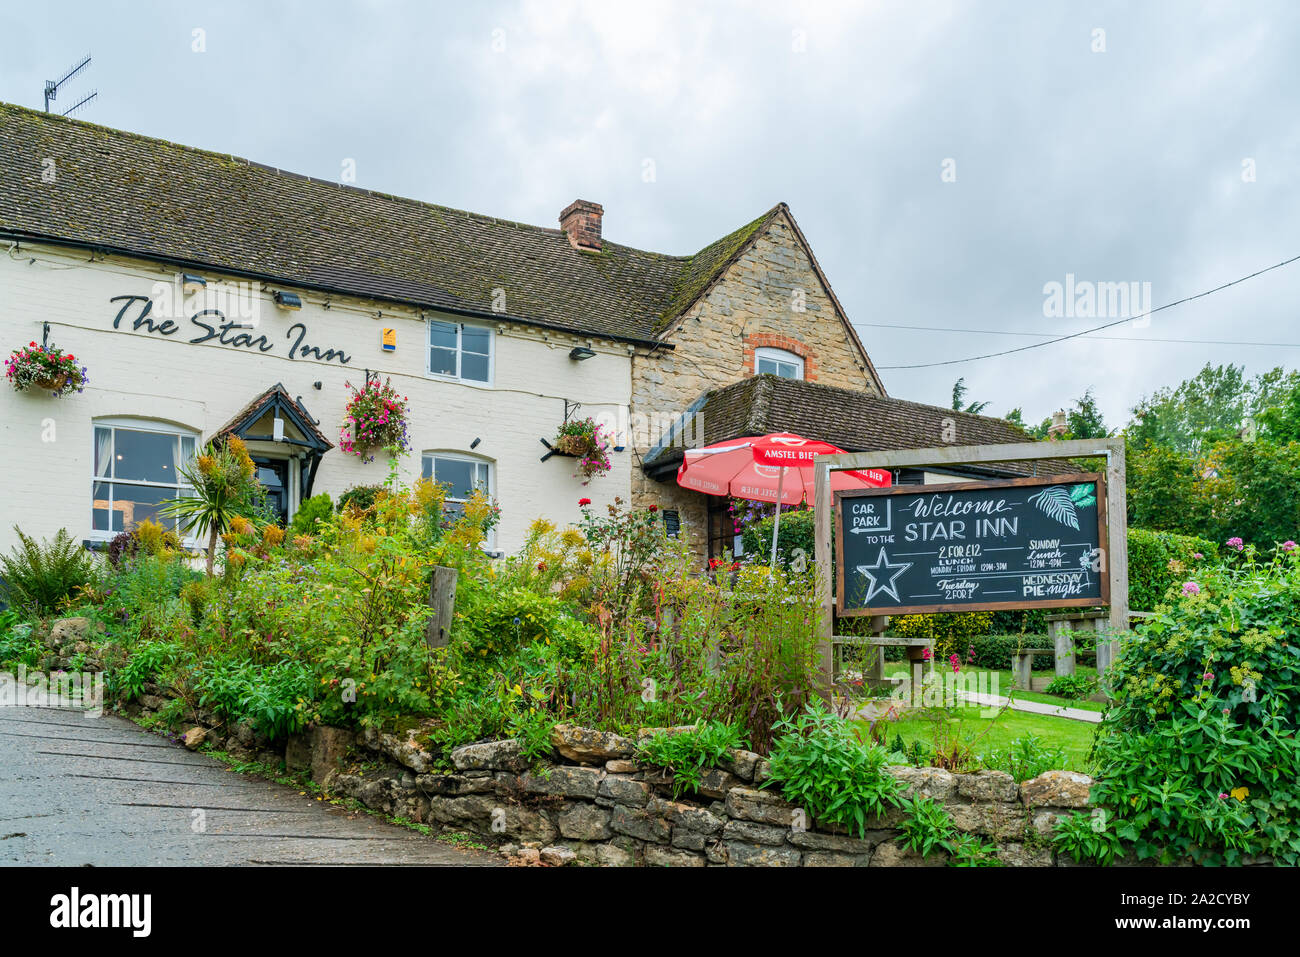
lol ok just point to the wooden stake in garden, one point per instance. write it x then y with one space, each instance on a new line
442 599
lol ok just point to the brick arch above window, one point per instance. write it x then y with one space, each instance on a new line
771 340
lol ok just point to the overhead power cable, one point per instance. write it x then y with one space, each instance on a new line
1108 325
1049 335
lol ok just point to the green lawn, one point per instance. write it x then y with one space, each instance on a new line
1005 684
1072 737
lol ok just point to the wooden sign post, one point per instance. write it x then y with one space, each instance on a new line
907 559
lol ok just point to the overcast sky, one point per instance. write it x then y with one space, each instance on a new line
945 160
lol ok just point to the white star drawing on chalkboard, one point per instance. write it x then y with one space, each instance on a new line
873 575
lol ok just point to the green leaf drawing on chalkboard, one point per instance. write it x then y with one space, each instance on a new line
1083 495
1055 501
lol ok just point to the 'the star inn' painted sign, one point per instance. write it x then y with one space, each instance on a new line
972 546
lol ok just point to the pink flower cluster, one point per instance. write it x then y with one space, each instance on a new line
375 418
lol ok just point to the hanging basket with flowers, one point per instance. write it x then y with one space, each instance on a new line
375 418
45 367
587 442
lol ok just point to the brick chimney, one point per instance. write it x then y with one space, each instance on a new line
1058 427
581 221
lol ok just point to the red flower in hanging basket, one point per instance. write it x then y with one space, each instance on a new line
45 367
375 418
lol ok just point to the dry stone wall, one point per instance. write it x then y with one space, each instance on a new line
593 803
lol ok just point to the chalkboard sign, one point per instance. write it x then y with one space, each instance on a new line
972 546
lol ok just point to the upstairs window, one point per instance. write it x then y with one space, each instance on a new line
137 469
778 362
460 351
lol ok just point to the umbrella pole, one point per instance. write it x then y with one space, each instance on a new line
776 525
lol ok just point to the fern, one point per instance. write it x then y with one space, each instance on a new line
41 575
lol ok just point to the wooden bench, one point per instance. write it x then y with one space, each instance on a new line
1022 666
874 673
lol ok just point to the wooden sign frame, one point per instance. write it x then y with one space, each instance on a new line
901 490
957 456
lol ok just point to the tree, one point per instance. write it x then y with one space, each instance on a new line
1254 490
959 393
1085 421
1163 491
225 487
1216 404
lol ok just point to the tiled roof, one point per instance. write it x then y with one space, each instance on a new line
855 421
134 195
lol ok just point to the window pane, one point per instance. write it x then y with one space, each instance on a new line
187 452
474 367
427 470
442 335
103 518
442 361
103 451
145 456
767 366
133 504
476 339
456 474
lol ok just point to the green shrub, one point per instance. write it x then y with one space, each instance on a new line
317 508
927 826
1198 756
1072 687
1157 561
1027 757
822 766
360 498
20 643
272 697
1019 621
951 633
1085 837
688 753
995 651
798 534
40 576
147 663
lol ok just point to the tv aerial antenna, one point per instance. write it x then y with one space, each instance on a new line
52 88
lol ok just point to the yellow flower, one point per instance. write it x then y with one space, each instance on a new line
1240 793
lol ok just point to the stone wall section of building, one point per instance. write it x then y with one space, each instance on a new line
770 296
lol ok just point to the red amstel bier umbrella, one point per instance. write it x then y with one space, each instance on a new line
770 468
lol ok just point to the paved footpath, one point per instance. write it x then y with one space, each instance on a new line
77 790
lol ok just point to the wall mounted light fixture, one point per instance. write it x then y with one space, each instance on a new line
190 283
287 300
581 353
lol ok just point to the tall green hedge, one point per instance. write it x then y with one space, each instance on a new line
1159 560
